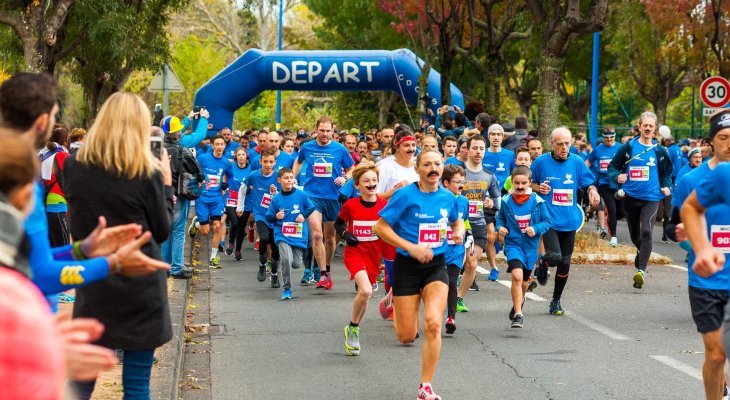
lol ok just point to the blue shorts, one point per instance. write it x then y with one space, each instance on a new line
209 209
329 209
528 257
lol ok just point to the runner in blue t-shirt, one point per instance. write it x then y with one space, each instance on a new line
416 222
231 145
557 177
210 206
241 169
283 159
599 159
498 160
328 166
262 185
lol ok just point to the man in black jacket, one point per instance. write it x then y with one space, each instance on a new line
181 160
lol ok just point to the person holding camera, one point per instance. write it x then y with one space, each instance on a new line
172 124
644 170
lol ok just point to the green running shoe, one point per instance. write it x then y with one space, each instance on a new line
555 308
460 306
639 279
352 340
214 263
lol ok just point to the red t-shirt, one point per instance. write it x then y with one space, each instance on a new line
360 221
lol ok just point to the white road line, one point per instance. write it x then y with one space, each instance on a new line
679 366
531 296
677 267
597 327
482 270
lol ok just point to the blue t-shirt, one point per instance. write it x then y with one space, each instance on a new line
421 218
675 155
239 176
202 149
282 160
214 169
348 190
288 230
324 165
456 161
500 164
687 168
230 151
517 217
713 192
643 175
455 252
260 194
253 156
565 177
600 158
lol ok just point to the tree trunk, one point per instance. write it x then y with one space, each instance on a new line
548 94
386 101
491 84
446 64
660 109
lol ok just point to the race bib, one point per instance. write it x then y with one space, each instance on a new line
450 236
720 238
322 170
563 197
523 221
363 230
292 229
231 203
213 181
431 235
639 174
603 165
266 200
476 208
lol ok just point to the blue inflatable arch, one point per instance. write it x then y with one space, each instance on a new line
352 70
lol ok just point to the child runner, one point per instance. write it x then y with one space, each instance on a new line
241 170
521 220
415 221
363 251
453 180
287 212
262 186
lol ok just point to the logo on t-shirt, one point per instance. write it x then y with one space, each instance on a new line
568 179
500 167
651 162
296 209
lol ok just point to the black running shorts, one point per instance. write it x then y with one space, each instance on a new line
410 276
707 308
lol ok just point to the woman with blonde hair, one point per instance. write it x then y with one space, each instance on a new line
116 175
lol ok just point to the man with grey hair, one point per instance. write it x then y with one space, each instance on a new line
643 169
557 176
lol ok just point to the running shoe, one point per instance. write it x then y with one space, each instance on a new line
375 286
518 321
541 272
250 235
229 249
221 246
268 266
425 392
256 245
386 306
460 306
613 242
352 340
328 284
193 229
494 275
474 287
450 325
214 263
286 294
604 234
261 276
665 240
381 276
555 308
325 282
639 278
531 286
316 274
512 311
66 298
238 256
275 281
306 278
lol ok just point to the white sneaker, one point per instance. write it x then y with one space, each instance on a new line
613 242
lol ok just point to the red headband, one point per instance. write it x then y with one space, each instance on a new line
404 139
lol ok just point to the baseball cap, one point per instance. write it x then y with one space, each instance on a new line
302 135
171 124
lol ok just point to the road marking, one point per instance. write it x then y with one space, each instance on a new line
679 366
530 295
677 267
482 270
597 327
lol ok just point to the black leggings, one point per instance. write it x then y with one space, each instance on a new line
666 207
453 272
614 208
266 238
58 229
238 226
558 251
640 216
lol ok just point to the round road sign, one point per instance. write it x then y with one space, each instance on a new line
715 91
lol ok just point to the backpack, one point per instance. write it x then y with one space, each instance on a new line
188 187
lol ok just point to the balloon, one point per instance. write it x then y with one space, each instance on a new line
665 132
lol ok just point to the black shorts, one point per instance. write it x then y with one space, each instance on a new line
514 264
410 276
490 217
480 235
707 308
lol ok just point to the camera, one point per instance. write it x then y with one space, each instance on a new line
196 110
450 108
620 194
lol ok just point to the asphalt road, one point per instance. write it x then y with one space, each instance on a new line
615 342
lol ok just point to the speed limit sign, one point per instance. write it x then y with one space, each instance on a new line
715 92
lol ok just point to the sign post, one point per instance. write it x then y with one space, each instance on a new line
166 81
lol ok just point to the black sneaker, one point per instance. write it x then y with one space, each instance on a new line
518 321
274 281
229 249
185 273
238 256
512 311
541 272
261 276
474 287
531 286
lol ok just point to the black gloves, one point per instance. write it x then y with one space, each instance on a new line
350 238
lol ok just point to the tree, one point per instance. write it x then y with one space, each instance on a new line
557 23
446 16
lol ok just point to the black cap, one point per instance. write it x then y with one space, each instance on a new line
508 127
